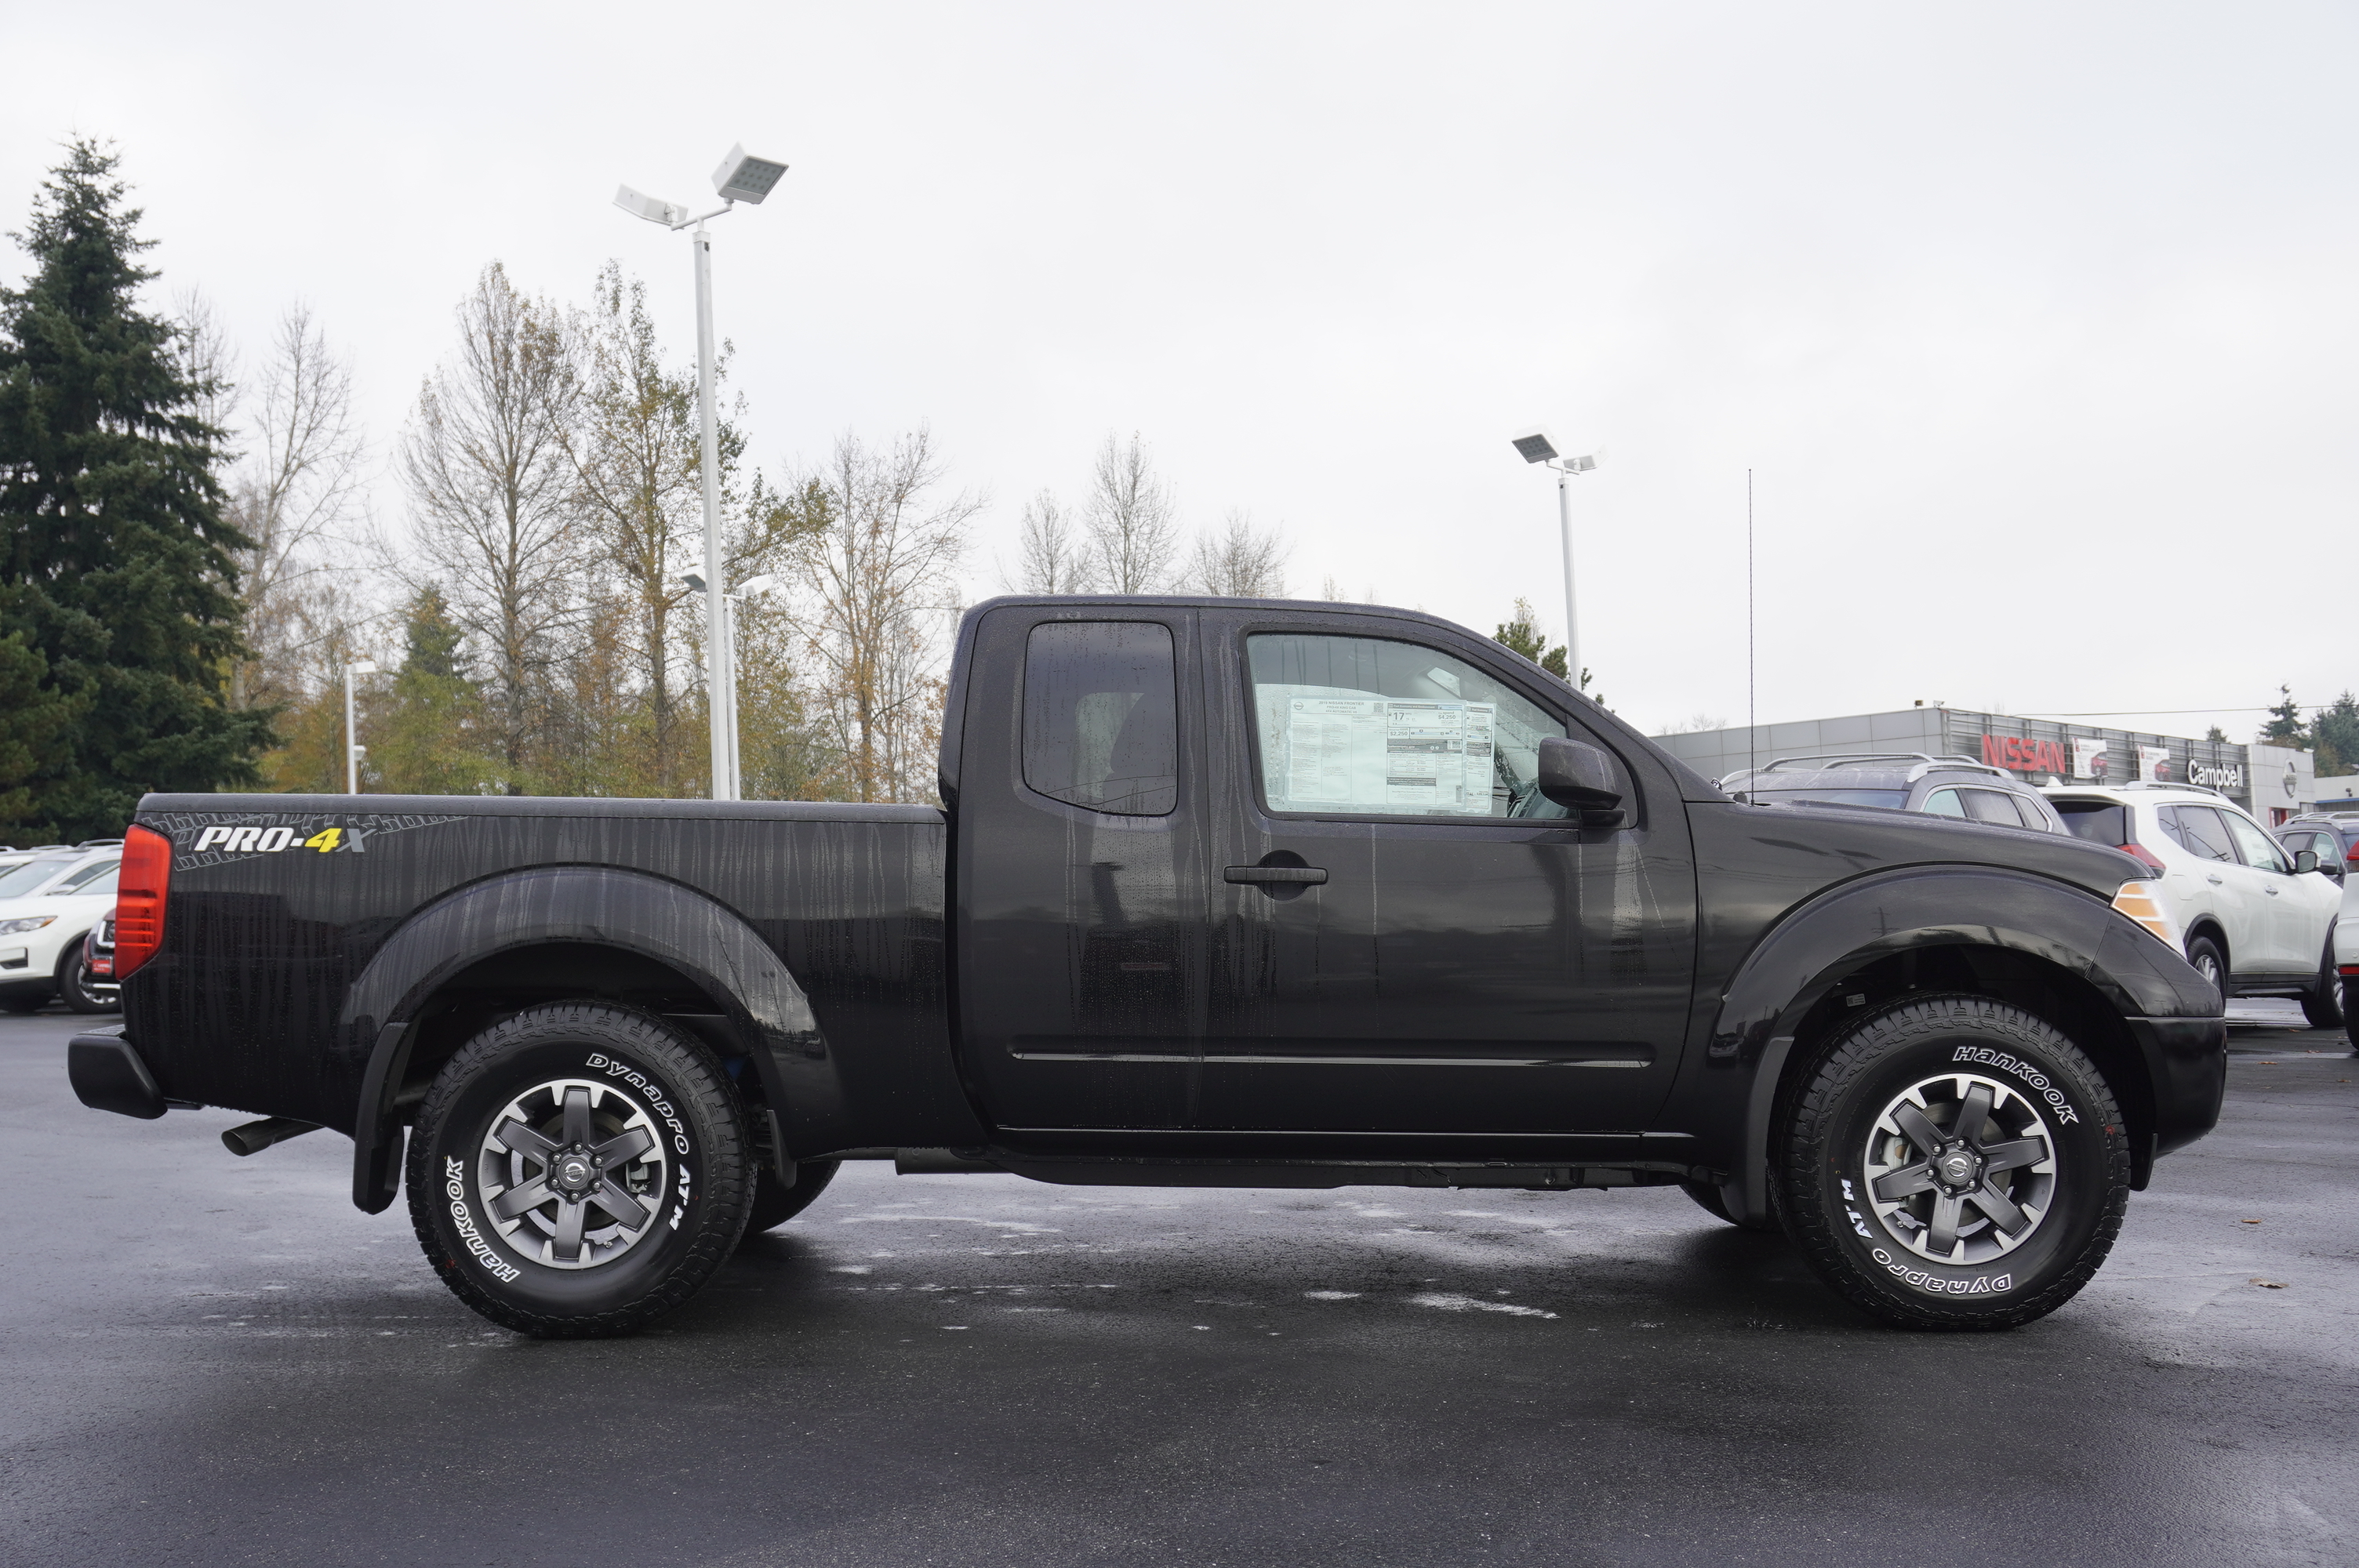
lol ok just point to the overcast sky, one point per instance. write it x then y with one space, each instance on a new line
2035 323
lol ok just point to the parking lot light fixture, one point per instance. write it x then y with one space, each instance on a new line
740 177
1534 447
743 178
353 747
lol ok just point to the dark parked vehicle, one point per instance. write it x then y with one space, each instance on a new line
94 980
1899 780
1224 892
2333 838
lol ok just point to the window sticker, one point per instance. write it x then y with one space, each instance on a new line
1354 752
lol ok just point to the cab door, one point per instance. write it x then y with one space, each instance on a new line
1080 879
1408 938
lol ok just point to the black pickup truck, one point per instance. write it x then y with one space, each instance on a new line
1222 892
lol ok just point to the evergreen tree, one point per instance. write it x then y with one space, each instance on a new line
2334 734
116 574
1524 636
2285 727
430 735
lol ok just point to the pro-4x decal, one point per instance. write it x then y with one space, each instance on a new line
216 838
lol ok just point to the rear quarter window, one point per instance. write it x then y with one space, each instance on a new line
2095 821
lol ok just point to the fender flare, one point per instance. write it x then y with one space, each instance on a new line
691 931
1796 963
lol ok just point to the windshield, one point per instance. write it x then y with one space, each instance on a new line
1892 799
24 879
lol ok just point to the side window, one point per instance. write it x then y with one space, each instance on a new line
1101 715
2257 848
1944 803
1366 725
2200 830
83 877
1992 806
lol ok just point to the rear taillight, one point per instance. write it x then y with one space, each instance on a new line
2144 857
2353 858
146 879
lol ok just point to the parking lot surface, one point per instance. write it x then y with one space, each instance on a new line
219 1362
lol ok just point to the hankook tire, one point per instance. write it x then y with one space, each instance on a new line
579 1170
1953 1163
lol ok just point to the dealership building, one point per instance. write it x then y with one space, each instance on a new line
2273 783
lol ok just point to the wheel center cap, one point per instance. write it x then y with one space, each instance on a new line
574 1174
1958 1167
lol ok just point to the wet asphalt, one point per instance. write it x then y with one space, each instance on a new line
211 1360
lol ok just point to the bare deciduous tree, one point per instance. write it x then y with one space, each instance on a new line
1240 561
295 492
491 491
1052 557
1133 530
876 568
635 456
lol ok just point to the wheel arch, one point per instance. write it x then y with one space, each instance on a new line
2053 950
493 947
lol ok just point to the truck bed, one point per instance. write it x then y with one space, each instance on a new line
256 1002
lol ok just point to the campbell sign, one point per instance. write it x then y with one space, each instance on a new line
2023 755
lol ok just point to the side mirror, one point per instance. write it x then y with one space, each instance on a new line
1579 777
2304 861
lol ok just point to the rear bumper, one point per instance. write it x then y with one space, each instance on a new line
2187 1061
108 1075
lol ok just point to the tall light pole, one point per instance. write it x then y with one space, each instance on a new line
699 583
1536 447
353 747
744 179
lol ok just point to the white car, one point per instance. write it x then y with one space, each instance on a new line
2228 893
48 904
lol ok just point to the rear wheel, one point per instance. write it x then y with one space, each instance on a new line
1953 1163
2204 954
2323 1005
579 1170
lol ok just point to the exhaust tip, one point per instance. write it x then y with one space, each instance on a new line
254 1137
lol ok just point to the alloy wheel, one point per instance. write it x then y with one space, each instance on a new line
1960 1167
573 1173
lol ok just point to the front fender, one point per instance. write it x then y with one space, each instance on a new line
695 935
1733 1082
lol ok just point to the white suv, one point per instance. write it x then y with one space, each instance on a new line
2228 893
48 904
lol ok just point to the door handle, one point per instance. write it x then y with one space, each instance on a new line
2214 880
1310 874
2273 893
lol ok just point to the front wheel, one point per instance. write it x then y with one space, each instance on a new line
579 1170
1954 1163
